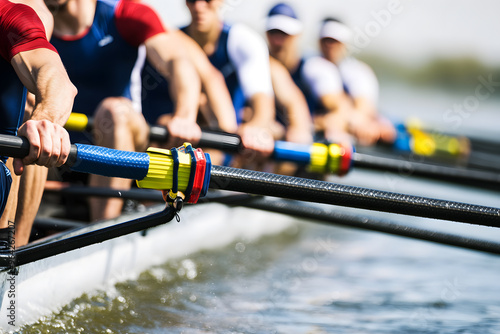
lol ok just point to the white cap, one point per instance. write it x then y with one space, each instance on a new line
337 31
282 17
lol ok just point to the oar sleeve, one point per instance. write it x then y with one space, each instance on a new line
109 162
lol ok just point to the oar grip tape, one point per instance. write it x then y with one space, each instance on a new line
109 162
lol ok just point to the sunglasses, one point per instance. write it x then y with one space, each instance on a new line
193 1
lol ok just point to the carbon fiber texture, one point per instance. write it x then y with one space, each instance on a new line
260 183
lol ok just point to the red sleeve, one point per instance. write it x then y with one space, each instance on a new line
136 22
21 30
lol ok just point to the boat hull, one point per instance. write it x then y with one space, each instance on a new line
45 286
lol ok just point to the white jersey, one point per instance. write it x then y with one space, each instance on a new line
359 79
321 76
248 52
317 77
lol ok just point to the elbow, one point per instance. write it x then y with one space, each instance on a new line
73 90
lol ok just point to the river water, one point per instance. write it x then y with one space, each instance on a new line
315 278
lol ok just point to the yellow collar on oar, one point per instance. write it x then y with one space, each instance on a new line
161 170
77 122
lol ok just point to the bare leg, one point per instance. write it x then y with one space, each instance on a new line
9 213
116 125
30 195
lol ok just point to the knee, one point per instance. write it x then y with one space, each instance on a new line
113 112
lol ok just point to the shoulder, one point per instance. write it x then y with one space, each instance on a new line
319 65
10 11
131 8
21 30
137 22
243 35
355 67
244 44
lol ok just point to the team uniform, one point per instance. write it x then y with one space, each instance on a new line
20 30
316 77
359 80
241 56
100 61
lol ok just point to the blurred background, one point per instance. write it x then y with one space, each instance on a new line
429 56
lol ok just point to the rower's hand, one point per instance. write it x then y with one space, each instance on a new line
257 141
299 135
180 130
49 145
365 129
387 130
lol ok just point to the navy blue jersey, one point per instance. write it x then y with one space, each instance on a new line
156 99
298 78
99 63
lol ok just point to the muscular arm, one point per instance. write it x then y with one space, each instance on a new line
185 87
212 80
291 98
42 12
139 24
43 74
249 53
335 122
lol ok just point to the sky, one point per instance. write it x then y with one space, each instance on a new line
409 31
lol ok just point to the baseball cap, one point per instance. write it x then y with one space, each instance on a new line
282 17
333 28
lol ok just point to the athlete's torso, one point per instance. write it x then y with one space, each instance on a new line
99 63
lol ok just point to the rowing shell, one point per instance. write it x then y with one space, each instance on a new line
46 285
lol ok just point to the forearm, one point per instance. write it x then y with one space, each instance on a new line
54 94
263 108
185 87
212 81
43 74
365 107
219 101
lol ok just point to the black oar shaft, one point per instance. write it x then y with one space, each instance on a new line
360 221
468 176
223 141
227 142
260 183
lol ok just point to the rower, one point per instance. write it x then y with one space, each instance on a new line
99 42
242 57
359 82
34 64
318 79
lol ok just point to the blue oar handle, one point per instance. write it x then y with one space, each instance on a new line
87 158
109 162
287 151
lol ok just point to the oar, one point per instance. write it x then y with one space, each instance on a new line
156 169
218 140
413 139
363 221
414 126
320 157
293 208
